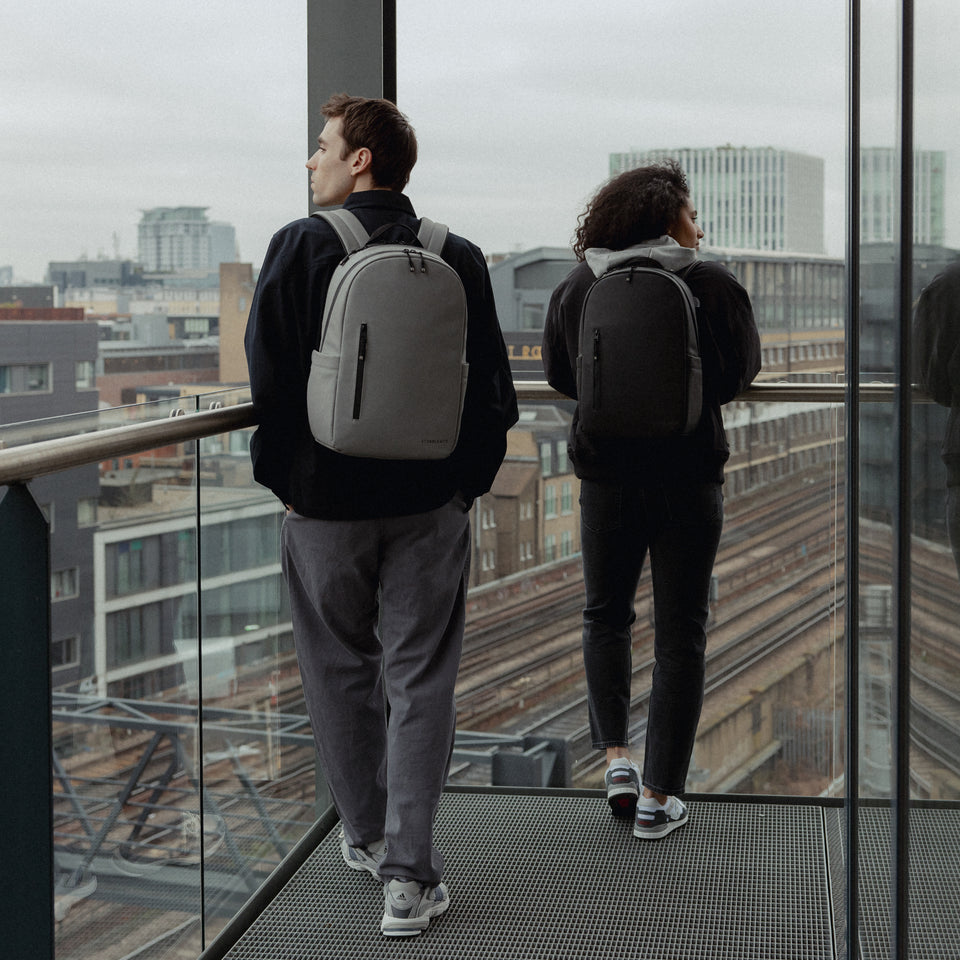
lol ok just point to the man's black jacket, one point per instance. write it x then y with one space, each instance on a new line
284 328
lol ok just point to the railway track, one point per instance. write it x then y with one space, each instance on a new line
523 668
730 660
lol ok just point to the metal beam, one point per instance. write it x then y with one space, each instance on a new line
351 48
851 916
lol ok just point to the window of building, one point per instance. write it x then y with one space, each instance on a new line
178 556
25 378
86 511
562 461
65 583
196 327
125 636
566 543
86 374
549 547
64 653
546 457
550 500
129 560
566 497
532 318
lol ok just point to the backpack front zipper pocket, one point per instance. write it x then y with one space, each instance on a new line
361 357
596 369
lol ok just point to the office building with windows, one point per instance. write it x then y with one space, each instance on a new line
182 240
748 198
879 179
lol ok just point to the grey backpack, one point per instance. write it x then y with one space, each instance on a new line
389 375
639 372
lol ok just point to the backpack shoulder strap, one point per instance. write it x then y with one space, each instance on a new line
432 235
349 229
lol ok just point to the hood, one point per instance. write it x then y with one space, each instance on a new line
665 250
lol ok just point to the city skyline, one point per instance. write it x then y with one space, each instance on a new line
100 128
929 203
514 131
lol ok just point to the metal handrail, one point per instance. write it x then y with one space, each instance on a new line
23 463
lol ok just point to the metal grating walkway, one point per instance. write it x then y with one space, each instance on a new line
553 875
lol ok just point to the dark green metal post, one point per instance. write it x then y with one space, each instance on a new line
26 800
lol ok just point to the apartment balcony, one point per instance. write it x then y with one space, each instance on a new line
183 815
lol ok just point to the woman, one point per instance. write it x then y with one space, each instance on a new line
662 496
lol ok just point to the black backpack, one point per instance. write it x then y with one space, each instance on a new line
639 371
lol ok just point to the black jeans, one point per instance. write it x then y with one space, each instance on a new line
680 525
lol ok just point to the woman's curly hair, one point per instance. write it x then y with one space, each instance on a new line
638 205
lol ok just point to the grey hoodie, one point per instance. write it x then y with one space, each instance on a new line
665 250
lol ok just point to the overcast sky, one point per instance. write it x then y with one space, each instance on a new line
110 107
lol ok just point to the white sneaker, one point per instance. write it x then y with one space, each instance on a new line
655 820
408 906
363 858
622 781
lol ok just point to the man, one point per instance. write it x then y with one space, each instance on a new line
374 552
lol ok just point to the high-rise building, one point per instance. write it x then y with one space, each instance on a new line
748 198
182 239
879 175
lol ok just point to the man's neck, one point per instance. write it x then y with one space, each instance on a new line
364 181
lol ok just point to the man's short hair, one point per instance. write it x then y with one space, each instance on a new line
380 127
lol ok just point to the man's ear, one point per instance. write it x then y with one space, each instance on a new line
361 161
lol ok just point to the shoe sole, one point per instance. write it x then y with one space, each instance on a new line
660 831
411 926
623 804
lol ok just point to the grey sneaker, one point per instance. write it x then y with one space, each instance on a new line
408 906
654 821
622 781
363 858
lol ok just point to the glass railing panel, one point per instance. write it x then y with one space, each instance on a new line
934 666
773 714
935 439
525 219
258 755
875 611
181 748
129 831
934 594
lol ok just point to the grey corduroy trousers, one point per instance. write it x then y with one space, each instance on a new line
378 611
